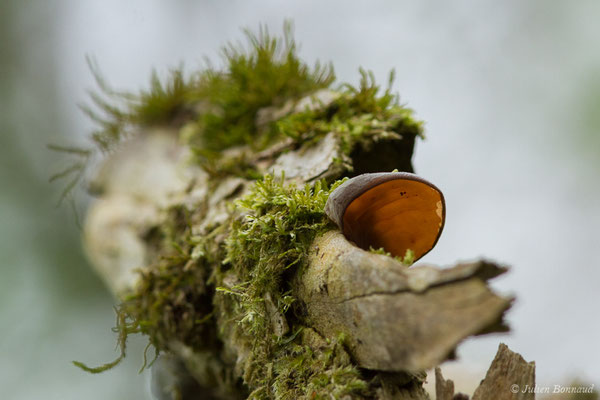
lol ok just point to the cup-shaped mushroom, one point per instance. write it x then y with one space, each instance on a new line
396 211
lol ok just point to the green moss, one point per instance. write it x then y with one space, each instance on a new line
277 226
380 251
216 109
268 74
74 173
268 238
357 116
305 372
408 259
239 165
120 114
233 282
219 106
125 326
266 245
173 300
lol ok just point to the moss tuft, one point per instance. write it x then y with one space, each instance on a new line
219 106
266 245
268 74
120 114
324 372
217 109
356 116
277 226
173 301
124 327
408 259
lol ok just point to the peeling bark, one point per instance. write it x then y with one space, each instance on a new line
396 318
510 377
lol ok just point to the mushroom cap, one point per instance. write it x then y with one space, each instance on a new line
396 211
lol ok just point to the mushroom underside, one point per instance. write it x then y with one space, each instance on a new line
397 215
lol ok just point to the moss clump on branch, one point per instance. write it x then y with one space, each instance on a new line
267 242
267 75
356 116
217 109
121 114
233 282
266 246
305 372
277 225
220 105
172 300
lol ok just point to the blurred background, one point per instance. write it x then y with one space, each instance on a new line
510 92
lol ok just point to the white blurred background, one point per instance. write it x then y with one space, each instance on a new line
510 92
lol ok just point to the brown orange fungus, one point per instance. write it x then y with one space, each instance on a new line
396 211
